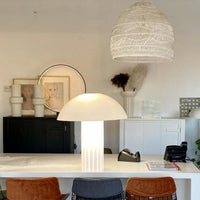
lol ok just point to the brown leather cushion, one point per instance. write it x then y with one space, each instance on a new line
33 189
151 187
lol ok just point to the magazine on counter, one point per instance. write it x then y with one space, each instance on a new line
162 166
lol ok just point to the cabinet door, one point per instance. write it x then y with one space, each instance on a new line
151 137
170 134
133 135
23 135
30 136
37 135
59 137
55 137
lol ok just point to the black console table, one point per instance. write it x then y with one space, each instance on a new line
37 135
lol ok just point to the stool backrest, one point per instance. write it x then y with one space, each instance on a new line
97 188
151 188
31 189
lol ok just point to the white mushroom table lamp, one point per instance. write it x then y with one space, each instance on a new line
92 109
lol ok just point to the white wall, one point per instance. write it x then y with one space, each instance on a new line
37 34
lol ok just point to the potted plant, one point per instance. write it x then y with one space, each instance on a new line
197 161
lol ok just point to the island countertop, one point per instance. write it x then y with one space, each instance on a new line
69 166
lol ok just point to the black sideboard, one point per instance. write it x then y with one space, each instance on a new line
37 135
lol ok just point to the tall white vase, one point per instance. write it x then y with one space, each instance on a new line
16 101
38 101
128 101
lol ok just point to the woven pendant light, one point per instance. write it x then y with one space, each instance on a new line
142 35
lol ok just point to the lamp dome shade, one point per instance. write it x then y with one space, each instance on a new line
92 107
142 34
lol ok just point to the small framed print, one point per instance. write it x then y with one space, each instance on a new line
27 92
56 91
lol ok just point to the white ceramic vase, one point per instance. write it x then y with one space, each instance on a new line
39 107
16 101
195 113
128 102
38 101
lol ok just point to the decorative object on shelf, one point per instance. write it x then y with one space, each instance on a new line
137 77
128 102
130 84
38 101
61 82
16 101
187 105
142 34
151 109
92 109
120 80
27 92
195 113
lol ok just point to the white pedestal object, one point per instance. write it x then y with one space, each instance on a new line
39 107
16 101
16 106
38 101
128 100
16 91
38 91
92 146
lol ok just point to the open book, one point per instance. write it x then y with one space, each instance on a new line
162 166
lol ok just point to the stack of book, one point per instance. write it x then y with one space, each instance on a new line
162 166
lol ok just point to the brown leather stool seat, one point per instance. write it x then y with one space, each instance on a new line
32 189
162 188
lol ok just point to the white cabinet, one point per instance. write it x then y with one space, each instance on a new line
151 136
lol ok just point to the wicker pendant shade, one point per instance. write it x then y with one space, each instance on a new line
142 35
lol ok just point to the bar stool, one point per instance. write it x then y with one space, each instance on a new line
31 189
162 188
96 189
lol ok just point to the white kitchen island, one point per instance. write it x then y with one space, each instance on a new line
68 166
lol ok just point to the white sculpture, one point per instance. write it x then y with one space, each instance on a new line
16 101
38 101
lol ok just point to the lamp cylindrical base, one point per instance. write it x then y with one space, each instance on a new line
92 146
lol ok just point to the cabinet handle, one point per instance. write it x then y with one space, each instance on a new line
171 129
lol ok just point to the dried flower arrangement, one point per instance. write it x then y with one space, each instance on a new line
120 80
131 82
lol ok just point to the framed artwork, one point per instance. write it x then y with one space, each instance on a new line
27 91
56 91
187 104
61 82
